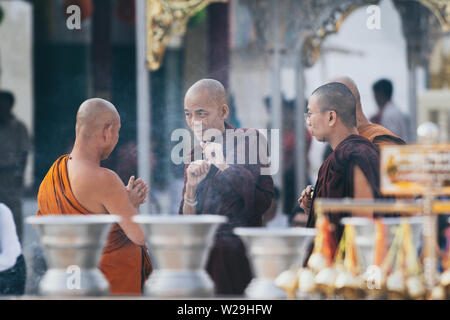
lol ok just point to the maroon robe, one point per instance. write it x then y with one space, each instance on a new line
242 194
335 178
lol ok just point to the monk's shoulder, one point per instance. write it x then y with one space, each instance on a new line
107 178
356 148
379 135
387 140
366 148
96 181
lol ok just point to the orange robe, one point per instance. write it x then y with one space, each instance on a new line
125 265
379 135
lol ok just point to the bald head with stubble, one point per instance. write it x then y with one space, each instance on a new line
206 106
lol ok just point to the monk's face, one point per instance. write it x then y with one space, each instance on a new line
201 108
317 120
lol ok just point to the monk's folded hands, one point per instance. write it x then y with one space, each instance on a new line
141 189
137 191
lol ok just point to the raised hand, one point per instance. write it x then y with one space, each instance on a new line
196 172
137 191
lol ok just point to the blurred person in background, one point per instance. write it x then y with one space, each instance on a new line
12 262
389 115
14 147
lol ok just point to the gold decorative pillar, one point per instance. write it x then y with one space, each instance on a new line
441 9
166 18
440 65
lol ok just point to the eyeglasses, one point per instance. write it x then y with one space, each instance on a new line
309 114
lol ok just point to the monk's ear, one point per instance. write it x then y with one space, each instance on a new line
332 118
224 111
107 132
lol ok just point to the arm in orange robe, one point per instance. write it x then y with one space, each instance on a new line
125 265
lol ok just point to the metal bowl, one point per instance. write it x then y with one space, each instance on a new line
179 246
72 246
272 251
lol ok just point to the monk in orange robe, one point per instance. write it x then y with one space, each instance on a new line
77 185
375 133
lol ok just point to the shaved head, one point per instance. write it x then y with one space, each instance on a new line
338 97
95 114
361 118
205 103
351 85
211 88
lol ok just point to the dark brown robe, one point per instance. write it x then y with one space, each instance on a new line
335 178
242 194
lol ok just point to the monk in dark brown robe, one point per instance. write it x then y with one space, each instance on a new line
77 185
352 169
375 133
213 186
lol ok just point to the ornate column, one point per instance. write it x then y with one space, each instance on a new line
421 30
166 18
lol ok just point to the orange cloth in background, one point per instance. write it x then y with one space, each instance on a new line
379 135
125 265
